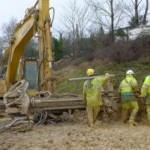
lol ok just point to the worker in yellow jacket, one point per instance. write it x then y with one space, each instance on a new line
92 95
129 90
145 94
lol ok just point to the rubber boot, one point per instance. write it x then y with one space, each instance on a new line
124 115
132 119
90 116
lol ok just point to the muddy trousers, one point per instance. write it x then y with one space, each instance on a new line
92 113
133 105
148 112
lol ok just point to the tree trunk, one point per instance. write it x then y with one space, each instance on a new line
136 13
146 11
112 19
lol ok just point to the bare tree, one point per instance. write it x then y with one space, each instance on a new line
137 11
146 12
109 14
6 33
8 29
76 21
136 4
1 44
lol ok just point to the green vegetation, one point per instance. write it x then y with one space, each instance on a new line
140 67
58 48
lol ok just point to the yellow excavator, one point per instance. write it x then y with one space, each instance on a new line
20 73
35 23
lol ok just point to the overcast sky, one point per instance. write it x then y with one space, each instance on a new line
16 9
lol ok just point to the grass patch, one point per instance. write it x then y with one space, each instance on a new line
63 85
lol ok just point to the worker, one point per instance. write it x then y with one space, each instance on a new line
129 91
92 95
145 95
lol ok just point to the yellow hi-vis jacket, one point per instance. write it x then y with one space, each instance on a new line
145 90
92 91
128 87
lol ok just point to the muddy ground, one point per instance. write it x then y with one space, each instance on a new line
76 135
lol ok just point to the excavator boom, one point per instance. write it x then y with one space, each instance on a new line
23 33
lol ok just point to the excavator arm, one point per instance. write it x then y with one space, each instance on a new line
21 36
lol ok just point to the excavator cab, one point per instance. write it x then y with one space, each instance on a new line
31 73
29 70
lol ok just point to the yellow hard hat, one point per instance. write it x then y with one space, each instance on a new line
90 72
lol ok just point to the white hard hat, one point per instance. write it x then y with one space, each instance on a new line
130 72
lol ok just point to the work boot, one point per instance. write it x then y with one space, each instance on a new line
132 123
90 123
132 119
